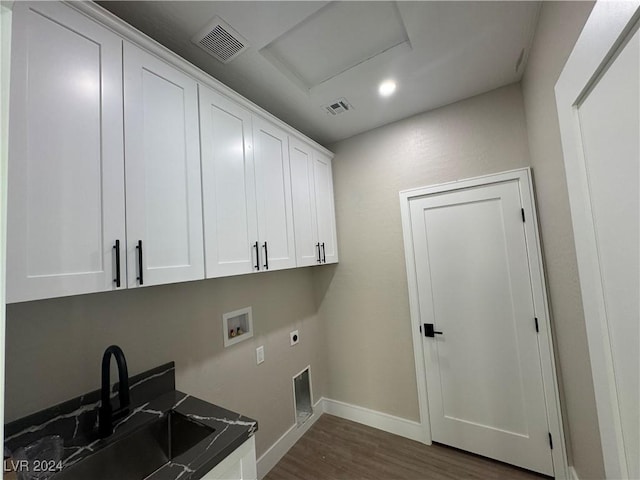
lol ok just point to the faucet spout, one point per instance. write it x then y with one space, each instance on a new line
106 414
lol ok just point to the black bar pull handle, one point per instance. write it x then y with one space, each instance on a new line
117 249
140 277
266 257
429 330
324 256
318 248
257 265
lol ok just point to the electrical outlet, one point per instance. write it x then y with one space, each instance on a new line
294 337
260 354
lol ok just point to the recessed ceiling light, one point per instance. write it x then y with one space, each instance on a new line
386 88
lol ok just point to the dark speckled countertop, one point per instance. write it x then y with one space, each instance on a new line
152 395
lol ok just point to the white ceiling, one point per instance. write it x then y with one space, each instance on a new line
304 55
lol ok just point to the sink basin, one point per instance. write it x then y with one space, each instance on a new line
141 452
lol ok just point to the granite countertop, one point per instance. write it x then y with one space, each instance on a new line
153 394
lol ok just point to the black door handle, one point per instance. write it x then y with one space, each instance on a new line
117 249
266 257
324 256
140 277
319 260
429 331
257 265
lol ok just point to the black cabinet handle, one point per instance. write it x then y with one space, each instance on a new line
324 256
257 265
117 249
266 257
318 248
140 277
429 330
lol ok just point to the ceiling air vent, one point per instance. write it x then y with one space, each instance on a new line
338 106
221 41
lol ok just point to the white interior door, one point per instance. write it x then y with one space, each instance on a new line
162 164
484 379
228 186
598 97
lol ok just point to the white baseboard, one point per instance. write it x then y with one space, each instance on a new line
275 452
573 473
372 418
381 421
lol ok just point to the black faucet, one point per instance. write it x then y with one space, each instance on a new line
106 415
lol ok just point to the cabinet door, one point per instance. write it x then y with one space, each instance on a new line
66 171
228 186
239 464
273 194
162 163
325 208
304 204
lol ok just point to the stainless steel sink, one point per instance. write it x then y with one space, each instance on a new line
142 452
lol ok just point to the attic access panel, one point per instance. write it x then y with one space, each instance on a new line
335 39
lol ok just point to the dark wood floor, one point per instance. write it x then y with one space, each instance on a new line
338 449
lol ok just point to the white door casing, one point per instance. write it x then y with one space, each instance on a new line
513 425
228 186
5 70
66 163
598 100
162 163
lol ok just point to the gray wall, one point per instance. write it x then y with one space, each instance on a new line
559 25
54 347
366 307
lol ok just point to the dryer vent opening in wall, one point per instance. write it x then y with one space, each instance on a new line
302 396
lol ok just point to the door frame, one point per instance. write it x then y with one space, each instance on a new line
603 34
6 12
534 257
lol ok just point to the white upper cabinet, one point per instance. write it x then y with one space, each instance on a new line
273 196
308 250
325 209
162 161
313 209
228 186
66 189
125 172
